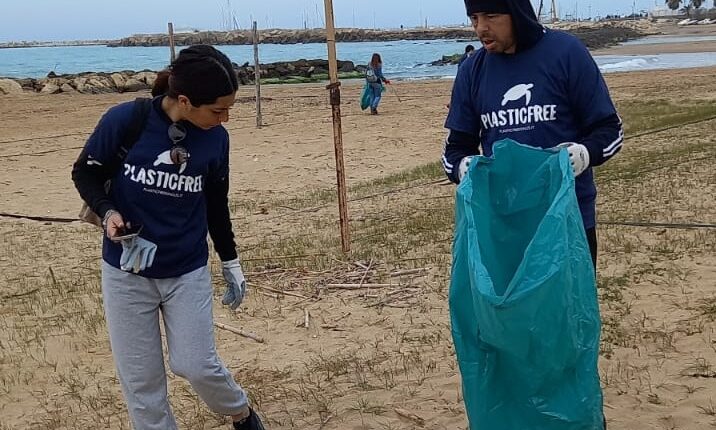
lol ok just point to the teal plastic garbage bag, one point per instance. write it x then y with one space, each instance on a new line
366 97
523 301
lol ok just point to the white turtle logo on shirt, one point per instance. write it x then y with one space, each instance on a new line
518 117
517 92
166 158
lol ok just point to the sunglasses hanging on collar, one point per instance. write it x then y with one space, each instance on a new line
178 153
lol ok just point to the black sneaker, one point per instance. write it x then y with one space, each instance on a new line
252 422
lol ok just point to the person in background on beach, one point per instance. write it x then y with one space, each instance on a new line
375 79
537 86
469 50
174 183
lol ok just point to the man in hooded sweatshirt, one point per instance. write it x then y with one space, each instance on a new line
538 87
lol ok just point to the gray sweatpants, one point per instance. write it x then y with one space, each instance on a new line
132 305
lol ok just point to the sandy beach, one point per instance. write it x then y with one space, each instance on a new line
660 48
369 358
669 30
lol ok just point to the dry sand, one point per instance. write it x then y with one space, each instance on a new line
367 355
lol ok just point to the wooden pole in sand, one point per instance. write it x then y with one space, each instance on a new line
172 48
335 96
257 75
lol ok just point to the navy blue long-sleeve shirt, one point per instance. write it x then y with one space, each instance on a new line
177 205
551 93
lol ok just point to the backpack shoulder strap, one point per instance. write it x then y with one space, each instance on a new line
140 114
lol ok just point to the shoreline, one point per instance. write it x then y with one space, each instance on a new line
106 81
143 80
290 83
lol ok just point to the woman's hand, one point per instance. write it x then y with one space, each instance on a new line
113 223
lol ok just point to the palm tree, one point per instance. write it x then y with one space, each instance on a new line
688 5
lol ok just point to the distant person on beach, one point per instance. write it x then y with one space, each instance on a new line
168 191
375 79
469 50
537 86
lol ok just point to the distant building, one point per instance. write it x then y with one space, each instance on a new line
664 12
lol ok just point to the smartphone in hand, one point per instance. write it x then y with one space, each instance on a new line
127 233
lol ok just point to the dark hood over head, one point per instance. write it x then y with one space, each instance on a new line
528 30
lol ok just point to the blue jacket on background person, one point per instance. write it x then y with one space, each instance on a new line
375 79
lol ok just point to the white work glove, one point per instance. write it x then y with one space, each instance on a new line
578 156
137 254
235 283
464 166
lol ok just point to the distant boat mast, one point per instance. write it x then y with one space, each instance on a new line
553 16
229 22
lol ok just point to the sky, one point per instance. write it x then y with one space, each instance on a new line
49 20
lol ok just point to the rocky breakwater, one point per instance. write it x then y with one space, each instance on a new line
86 83
299 71
276 36
597 37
